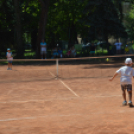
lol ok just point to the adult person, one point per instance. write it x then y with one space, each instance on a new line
43 46
92 49
54 52
73 52
118 47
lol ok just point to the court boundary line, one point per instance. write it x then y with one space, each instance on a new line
60 99
69 88
61 115
35 117
65 85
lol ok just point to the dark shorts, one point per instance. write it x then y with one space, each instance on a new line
128 87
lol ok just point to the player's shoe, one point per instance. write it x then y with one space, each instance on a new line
130 103
124 103
8 68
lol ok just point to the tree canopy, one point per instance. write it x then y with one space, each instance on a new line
58 20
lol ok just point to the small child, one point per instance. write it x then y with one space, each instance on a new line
126 50
9 59
126 73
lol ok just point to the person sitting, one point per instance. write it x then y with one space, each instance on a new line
73 52
126 50
43 46
60 55
69 53
92 49
54 53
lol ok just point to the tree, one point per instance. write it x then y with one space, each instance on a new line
18 30
42 23
64 20
6 24
129 22
103 19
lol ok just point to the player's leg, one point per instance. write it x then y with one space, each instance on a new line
8 66
41 54
124 94
129 90
45 52
11 65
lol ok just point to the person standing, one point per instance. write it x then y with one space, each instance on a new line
9 59
126 73
118 47
92 49
43 46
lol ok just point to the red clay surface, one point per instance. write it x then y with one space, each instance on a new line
32 104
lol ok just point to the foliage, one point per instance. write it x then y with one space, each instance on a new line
103 18
130 22
94 19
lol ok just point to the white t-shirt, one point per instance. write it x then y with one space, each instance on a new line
9 56
43 46
118 45
126 73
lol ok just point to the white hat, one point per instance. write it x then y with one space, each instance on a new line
8 49
128 61
126 45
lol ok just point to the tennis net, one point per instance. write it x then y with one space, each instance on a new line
64 68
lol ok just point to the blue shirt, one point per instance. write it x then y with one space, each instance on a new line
43 44
60 51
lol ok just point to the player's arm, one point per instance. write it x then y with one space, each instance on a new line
113 76
11 55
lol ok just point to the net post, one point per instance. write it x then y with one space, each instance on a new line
57 65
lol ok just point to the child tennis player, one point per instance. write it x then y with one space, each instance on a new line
9 59
126 73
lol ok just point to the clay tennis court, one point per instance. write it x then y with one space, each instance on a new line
80 101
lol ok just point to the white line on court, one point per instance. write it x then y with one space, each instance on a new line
36 117
60 99
69 88
62 115
65 85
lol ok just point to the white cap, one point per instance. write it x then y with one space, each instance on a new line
8 49
126 45
128 61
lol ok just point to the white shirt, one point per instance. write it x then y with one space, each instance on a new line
118 45
43 46
9 56
126 73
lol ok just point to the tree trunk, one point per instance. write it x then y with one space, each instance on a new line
72 35
34 39
18 32
42 23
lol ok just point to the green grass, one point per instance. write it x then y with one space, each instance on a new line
29 54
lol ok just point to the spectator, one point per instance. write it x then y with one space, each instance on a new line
92 49
60 53
126 50
118 47
69 53
54 53
73 52
43 47
9 59
64 53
